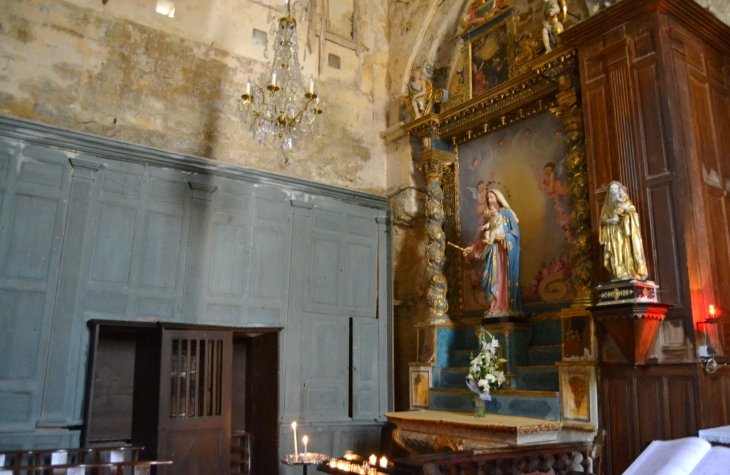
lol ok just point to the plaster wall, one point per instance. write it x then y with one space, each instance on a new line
123 71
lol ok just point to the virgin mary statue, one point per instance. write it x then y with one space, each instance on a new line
501 255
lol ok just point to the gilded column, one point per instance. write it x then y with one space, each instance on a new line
435 163
570 114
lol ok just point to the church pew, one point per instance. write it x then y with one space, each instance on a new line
136 467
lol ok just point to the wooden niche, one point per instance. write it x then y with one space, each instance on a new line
181 391
655 82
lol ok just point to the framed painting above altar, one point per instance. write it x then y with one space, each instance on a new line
526 162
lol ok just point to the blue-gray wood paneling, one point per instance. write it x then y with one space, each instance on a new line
34 187
193 242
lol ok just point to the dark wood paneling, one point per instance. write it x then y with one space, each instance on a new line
641 404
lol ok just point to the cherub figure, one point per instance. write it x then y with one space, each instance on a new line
549 184
555 14
420 94
480 194
494 229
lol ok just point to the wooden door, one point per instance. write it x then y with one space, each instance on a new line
195 401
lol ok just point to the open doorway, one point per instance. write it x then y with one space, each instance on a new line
181 391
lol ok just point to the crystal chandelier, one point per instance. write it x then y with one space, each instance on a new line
277 108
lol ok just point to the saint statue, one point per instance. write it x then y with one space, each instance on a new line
623 251
555 14
500 250
420 95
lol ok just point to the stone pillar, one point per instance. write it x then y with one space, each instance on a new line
570 114
435 163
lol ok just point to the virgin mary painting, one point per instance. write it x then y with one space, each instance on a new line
501 253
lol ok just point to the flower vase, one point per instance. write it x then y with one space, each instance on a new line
480 407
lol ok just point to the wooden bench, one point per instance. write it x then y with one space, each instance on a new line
137 467
82 461
84 455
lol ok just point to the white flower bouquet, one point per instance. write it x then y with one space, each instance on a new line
484 371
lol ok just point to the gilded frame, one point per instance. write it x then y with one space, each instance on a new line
546 83
509 24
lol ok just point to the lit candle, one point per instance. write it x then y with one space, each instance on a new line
305 439
712 311
373 460
294 428
383 462
311 84
273 79
333 463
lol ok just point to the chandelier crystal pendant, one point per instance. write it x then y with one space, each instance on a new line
277 107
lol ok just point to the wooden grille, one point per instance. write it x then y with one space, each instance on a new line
196 378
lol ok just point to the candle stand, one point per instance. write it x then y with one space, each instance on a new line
305 460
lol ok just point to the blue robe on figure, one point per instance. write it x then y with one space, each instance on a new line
509 248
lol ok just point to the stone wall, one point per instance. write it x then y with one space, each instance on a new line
121 70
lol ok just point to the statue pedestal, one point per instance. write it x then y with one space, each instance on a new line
633 326
626 291
513 334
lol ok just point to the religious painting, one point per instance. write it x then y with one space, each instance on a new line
578 340
525 164
489 58
420 383
575 390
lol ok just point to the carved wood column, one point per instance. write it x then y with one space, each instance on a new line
435 163
570 114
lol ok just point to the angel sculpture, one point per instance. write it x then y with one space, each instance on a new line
556 13
420 95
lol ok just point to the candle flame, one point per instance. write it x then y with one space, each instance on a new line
294 425
305 439
712 311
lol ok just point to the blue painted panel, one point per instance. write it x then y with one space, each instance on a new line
5 157
165 191
230 203
31 237
119 183
271 210
41 173
227 264
157 308
360 226
16 407
162 244
21 318
359 276
325 362
324 272
113 247
228 314
326 221
365 389
108 304
268 264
